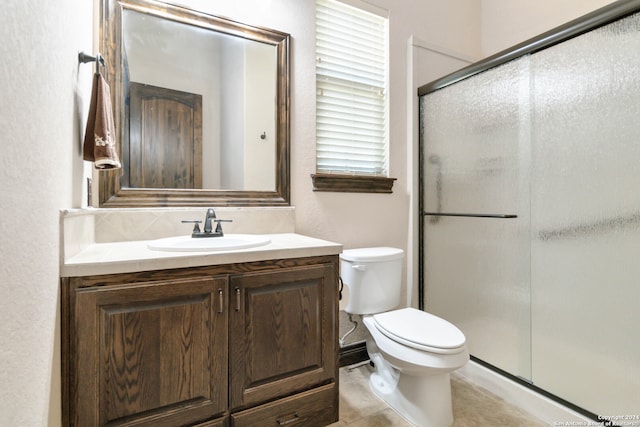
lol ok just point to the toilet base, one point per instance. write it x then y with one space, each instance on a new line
415 383
423 400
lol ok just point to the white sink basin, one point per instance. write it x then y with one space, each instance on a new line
202 244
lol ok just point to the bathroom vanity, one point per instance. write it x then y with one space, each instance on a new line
235 338
225 338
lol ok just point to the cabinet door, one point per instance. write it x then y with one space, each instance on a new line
282 333
151 353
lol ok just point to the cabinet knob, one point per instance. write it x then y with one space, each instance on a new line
237 299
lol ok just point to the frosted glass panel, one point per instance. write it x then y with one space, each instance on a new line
586 219
476 277
477 269
474 132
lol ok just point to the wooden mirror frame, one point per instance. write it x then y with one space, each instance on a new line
111 193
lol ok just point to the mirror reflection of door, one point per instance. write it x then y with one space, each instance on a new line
165 147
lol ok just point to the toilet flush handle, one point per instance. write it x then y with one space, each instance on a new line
359 267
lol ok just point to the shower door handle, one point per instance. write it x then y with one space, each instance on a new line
470 215
434 159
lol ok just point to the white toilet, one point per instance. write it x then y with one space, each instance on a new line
413 351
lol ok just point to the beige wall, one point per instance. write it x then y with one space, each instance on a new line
43 102
506 23
360 220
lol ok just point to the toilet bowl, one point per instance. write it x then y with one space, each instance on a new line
413 352
413 376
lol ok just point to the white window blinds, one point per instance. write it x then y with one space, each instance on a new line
351 85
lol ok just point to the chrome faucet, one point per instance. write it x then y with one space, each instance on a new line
208 219
211 215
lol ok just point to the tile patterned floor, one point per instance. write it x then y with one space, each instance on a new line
473 406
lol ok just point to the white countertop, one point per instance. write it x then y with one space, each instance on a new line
132 256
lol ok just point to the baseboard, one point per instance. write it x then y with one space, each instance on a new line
542 407
353 353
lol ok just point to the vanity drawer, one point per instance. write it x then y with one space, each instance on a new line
219 422
317 407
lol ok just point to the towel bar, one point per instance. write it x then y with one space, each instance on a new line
470 215
83 58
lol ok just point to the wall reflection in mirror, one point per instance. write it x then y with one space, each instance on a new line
202 104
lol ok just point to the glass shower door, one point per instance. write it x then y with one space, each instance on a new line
552 295
586 219
476 227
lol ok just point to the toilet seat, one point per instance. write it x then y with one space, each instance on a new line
420 330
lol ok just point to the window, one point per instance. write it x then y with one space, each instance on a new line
351 99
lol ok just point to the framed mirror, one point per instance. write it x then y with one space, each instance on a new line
201 106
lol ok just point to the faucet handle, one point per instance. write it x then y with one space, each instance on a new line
196 225
219 227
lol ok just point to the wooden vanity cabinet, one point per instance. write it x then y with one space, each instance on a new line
233 345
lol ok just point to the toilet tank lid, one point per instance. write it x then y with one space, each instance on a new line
372 254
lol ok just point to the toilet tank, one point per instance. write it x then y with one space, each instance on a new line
373 277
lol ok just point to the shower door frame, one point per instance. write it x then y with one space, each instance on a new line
594 20
571 29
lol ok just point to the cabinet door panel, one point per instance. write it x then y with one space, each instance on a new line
281 334
161 352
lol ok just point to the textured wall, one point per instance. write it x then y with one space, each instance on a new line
508 22
40 173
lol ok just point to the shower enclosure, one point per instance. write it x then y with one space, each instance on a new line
530 196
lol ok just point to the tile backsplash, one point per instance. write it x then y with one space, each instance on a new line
82 227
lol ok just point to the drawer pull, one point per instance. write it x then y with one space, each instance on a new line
220 301
237 299
294 418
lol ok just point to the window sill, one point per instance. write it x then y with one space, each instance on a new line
352 183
